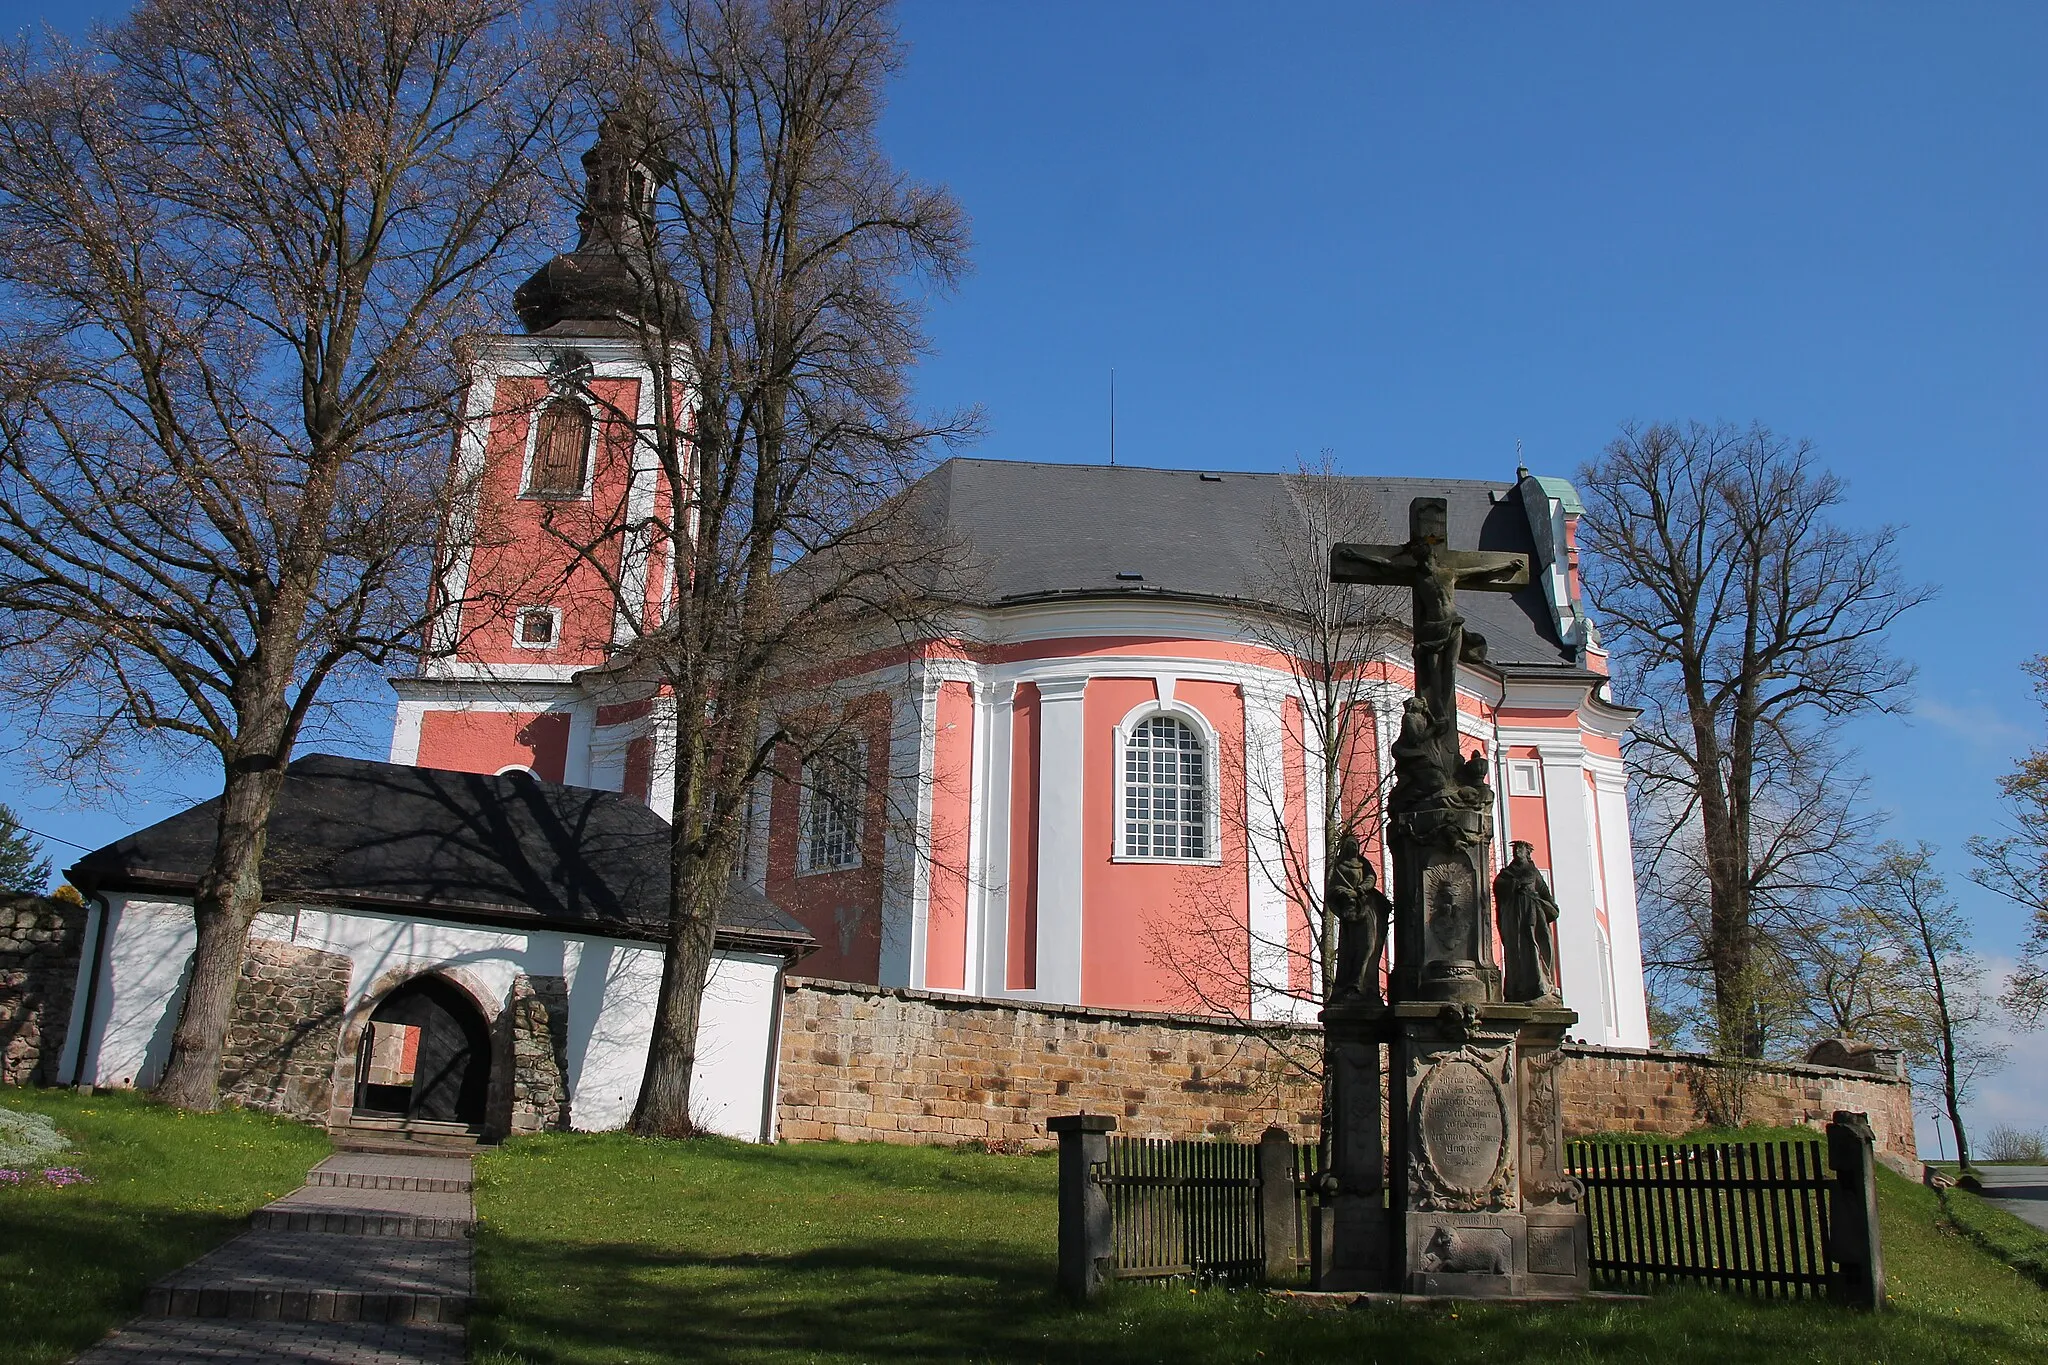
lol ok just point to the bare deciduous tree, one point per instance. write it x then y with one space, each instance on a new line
1333 640
779 267
237 243
1946 1041
1743 619
2015 865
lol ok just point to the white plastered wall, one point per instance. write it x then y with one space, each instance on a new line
611 983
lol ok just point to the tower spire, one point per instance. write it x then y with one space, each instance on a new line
602 284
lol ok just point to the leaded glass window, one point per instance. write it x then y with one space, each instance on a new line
834 787
1166 796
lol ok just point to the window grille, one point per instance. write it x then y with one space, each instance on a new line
537 627
561 450
1166 807
834 786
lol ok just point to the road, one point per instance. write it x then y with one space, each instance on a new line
2020 1190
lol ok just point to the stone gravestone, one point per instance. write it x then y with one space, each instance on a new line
1478 1202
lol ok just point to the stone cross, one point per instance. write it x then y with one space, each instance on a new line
1434 573
1440 806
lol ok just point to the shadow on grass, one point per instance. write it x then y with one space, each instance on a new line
929 1301
72 1268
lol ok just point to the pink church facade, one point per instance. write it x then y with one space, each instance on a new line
1110 798
1111 653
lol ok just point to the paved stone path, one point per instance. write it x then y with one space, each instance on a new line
369 1263
2020 1190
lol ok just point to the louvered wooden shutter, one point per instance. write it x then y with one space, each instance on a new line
560 448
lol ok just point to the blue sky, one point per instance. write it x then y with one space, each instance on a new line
1417 234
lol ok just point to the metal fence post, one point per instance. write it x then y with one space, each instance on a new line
1277 1202
1857 1273
1085 1248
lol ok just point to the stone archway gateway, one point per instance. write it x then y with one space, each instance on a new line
425 1055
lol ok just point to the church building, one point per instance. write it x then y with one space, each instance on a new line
1089 790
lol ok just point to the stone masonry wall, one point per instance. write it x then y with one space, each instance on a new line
863 1063
860 1063
539 1022
40 940
1608 1090
285 1029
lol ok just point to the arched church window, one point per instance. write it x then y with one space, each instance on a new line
1166 791
834 788
561 450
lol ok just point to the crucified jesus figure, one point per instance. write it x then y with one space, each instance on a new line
1434 573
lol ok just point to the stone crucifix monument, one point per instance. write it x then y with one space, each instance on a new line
1472 1198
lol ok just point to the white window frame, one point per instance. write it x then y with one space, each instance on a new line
554 627
1205 735
805 806
1525 777
526 492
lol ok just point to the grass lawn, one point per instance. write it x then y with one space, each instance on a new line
165 1187
606 1249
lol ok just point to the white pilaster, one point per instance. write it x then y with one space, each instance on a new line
576 762
405 732
988 841
1631 1003
1062 745
630 620
460 539
661 757
1574 882
907 869
1316 830
1265 799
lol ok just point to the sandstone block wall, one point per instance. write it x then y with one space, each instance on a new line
1610 1090
860 1063
40 940
286 1027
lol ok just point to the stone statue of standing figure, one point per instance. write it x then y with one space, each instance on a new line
1526 910
1351 893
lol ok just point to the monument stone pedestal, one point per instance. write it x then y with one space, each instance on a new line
1479 1205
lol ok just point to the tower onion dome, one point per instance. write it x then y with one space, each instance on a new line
607 278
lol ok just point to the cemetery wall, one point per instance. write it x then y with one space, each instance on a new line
1628 1090
860 1063
40 941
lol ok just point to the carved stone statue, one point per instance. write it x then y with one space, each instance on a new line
1526 911
1351 894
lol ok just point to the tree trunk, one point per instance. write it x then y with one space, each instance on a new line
224 903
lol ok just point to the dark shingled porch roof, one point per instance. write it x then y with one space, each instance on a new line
509 851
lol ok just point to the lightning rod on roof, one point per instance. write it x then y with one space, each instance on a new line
1112 417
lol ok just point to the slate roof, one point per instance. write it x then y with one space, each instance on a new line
1042 532
510 851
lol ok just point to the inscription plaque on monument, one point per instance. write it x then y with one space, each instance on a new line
1463 1124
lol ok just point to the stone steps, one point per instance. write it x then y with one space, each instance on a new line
369 1240
429 1174
405 1137
322 1277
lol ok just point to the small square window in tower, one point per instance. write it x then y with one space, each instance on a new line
536 629
561 451
833 788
